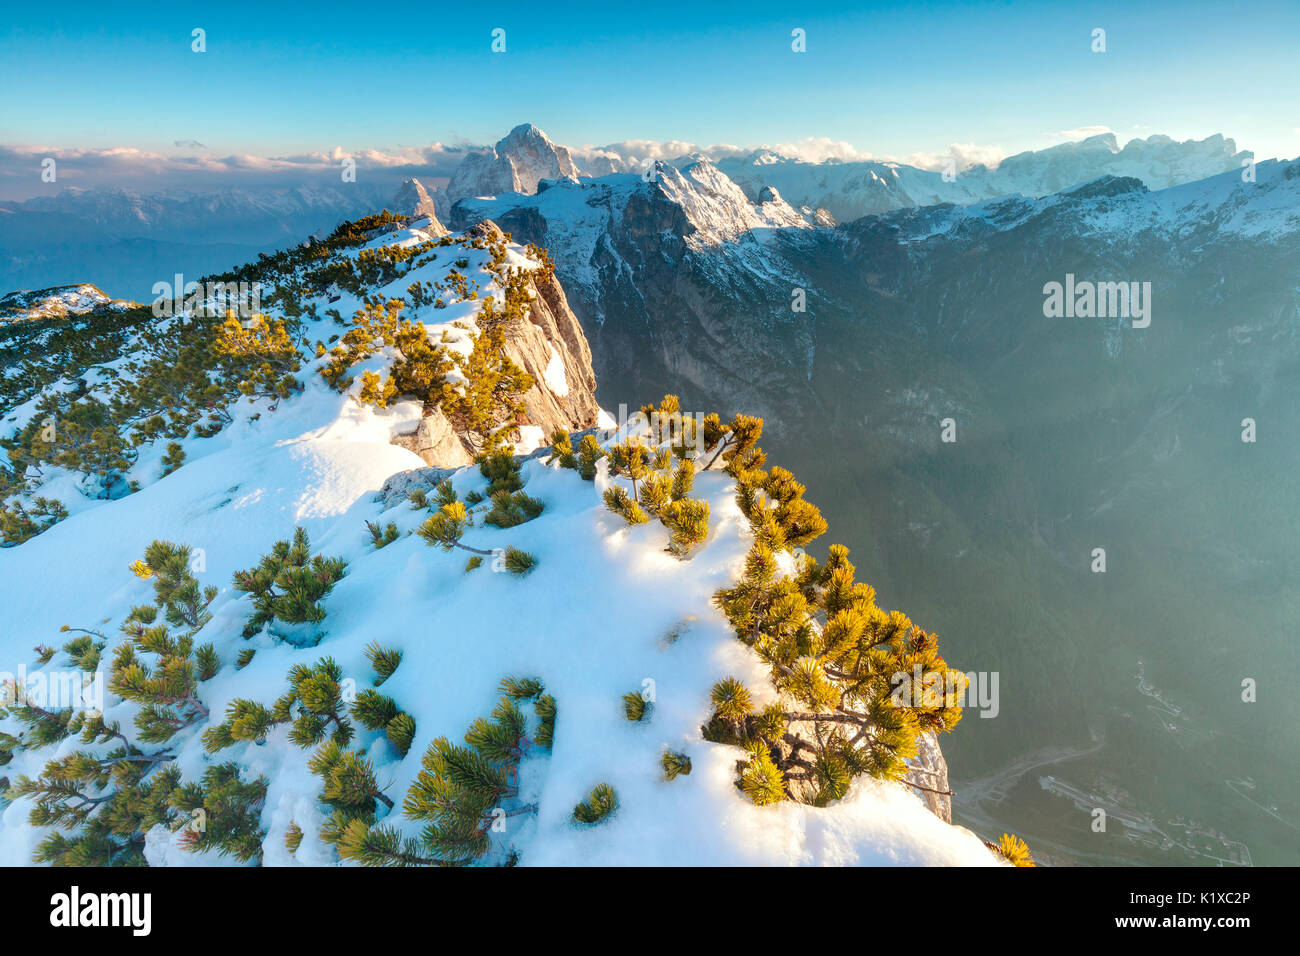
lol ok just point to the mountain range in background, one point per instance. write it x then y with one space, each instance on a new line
1072 434
125 241
850 190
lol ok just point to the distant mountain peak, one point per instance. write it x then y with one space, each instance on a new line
849 190
516 164
413 200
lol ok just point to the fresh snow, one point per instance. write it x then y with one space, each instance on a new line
593 620
850 190
554 374
54 302
1266 208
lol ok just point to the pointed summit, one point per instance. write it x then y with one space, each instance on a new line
520 160
535 157
413 200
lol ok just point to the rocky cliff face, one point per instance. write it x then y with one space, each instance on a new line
550 346
413 200
1071 433
682 284
520 160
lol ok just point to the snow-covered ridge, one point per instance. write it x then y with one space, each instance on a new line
1262 204
55 302
605 610
851 190
588 223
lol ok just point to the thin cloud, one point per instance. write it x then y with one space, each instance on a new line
1080 132
147 172
962 156
638 153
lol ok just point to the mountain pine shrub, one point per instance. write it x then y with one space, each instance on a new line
589 453
622 504
675 764
313 707
462 793
174 458
447 526
1014 850
635 707
562 450
658 486
600 803
375 711
101 799
288 586
221 813
381 537
384 660
512 508
104 804
503 472
18 522
519 562
687 521
176 589
266 353
835 658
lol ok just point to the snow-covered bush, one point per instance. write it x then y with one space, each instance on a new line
600 803
287 586
461 792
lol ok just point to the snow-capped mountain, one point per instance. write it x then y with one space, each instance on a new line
611 759
55 302
925 314
686 247
125 241
849 190
1158 161
413 200
520 160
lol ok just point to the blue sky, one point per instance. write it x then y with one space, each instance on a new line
889 79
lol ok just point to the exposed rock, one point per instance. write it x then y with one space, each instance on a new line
1105 186
436 442
517 164
414 202
548 342
930 770
550 346
397 487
